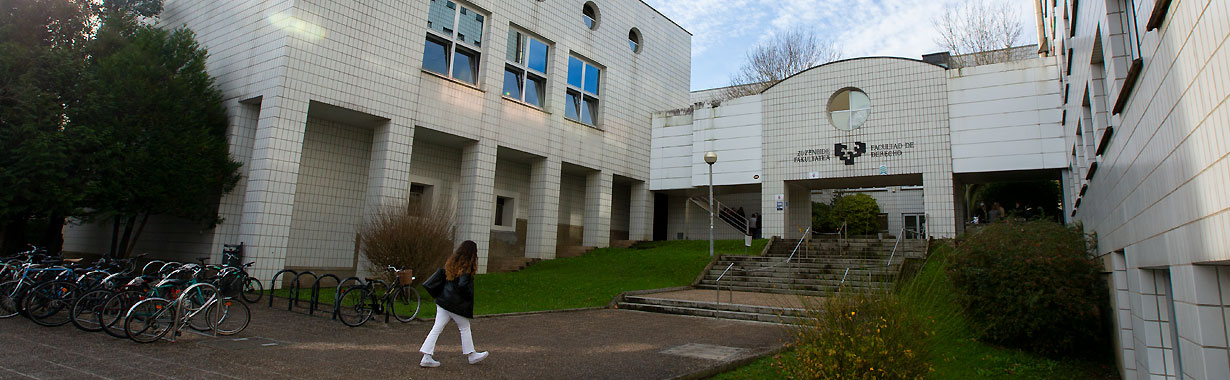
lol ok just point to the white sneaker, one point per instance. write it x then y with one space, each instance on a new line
476 357
428 362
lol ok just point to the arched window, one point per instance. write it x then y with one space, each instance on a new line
634 40
590 13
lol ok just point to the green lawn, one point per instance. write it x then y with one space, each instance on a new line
586 281
954 351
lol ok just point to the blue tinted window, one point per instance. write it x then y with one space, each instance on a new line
440 16
435 57
512 83
463 66
575 66
591 79
538 56
533 91
570 109
470 25
589 110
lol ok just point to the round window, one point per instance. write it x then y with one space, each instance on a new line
634 40
849 108
589 13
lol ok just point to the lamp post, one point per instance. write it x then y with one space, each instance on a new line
710 158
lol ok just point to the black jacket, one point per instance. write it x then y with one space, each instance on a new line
456 296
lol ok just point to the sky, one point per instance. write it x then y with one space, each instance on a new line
724 30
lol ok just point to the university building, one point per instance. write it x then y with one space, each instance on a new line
553 126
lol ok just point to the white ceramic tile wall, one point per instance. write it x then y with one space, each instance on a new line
1005 116
909 106
1160 187
330 195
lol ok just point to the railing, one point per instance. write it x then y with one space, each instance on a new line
891 256
717 284
726 214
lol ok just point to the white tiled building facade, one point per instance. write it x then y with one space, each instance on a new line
552 114
1147 132
535 110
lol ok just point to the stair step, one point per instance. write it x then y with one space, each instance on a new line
799 284
723 314
646 300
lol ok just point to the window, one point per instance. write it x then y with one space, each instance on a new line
634 40
420 196
526 71
849 108
504 211
1131 30
589 13
1072 25
582 94
454 38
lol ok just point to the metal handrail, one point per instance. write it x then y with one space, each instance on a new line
740 223
806 233
895 244
717 284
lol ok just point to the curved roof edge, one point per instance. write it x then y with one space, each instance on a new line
846 60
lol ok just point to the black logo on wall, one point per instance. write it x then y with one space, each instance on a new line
848 156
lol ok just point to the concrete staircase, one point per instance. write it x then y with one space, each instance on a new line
819 268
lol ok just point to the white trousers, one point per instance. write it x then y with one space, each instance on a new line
442 318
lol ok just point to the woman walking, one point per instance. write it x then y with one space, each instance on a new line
453 289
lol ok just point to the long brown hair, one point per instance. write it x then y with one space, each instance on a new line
463 261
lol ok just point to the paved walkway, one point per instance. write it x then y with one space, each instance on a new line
742 298
279 344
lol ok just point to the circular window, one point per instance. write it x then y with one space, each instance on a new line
634 40
848 109
590 13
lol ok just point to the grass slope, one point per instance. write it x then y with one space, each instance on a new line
589 280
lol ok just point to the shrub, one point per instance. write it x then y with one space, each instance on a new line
822 218
859 211
858 336
1031 285
410 236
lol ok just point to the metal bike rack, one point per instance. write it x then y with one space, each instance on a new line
316 291
274 283
179 307
337 306
294 288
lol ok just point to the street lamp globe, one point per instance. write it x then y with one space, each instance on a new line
710 158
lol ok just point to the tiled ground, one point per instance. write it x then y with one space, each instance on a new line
590 344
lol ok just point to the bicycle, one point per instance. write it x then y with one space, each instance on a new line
152 318
357 304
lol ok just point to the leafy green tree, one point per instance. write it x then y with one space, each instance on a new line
822 218
42 162
859 212
162 128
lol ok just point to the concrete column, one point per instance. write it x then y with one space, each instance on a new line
476 197
598 187
240 135
542 226
798 211
774 223
1199 319
272 177
640 223
938 197
388 175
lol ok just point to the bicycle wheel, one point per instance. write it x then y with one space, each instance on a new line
111 316
87 308
404 303
149 320
10 297
228 316
355 306
253 290
50 303
195 305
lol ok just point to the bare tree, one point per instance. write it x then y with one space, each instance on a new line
982 31
781 56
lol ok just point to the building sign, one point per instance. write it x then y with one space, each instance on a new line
846 154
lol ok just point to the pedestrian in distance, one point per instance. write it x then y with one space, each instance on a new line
453 289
